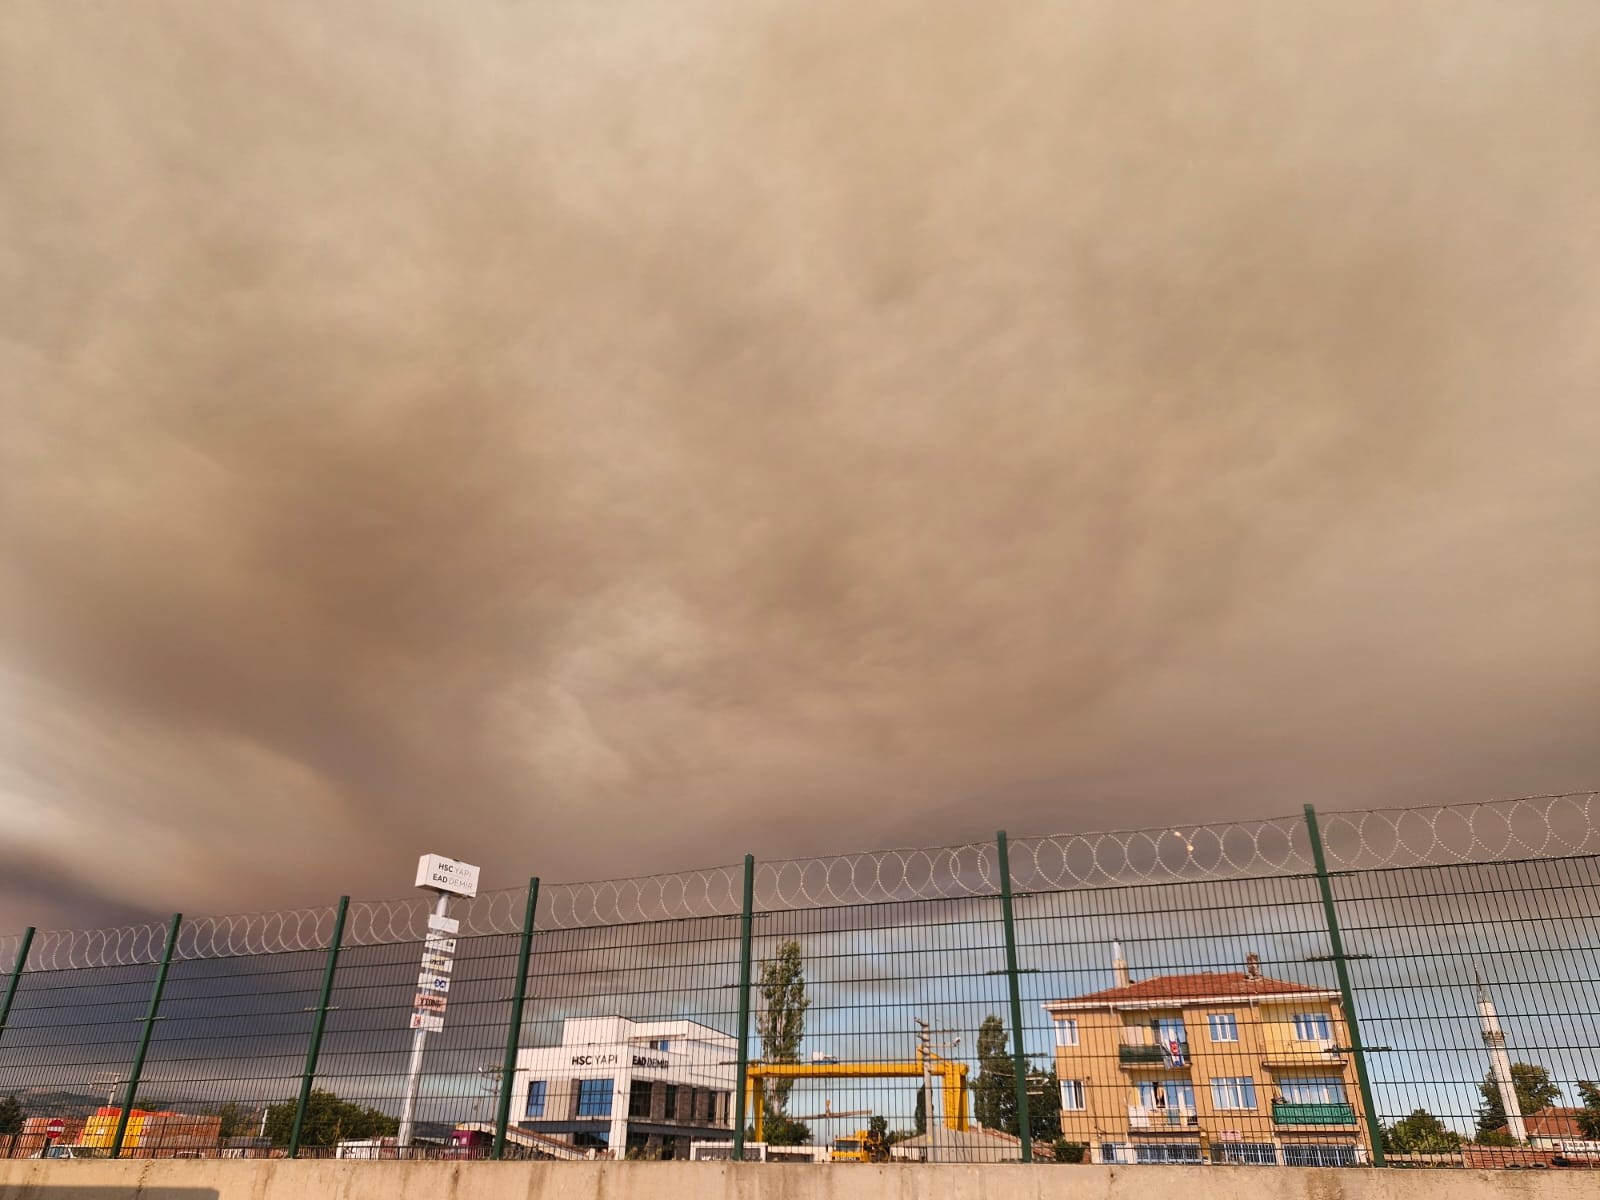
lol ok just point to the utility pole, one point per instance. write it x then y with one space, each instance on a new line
934 1118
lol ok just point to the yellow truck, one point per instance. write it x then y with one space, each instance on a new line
864 1145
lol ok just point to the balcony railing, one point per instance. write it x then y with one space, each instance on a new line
1320 1050
1140 1117
1313 1114
1147 1055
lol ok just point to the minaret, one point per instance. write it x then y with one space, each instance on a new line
1119 966
1499 1061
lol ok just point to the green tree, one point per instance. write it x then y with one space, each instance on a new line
329 1120
11 1116
1044 1106
1534 1092
782 1022
1589 1114
994 1091
780 1129
1068 1152
1420 1133
235 1121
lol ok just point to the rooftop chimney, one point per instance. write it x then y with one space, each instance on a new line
1252 966
1119 966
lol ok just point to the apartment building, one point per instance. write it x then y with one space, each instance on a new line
1224 1067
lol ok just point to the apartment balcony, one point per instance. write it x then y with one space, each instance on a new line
1313 1114
1148 1055
1303 1054
1162 1120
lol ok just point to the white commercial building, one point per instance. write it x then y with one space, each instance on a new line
618 1085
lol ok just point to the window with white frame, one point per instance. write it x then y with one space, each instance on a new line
1066 1031
1245 1154
1312 1089
1072 1095
1237 1092
1224 1027
1312 1027
1165 1093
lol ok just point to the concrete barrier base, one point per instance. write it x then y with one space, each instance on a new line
210 1179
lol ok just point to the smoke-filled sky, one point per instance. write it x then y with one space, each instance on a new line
592 439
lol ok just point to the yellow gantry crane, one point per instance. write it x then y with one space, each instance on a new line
952 1075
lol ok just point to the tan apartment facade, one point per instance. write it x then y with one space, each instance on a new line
1227 1067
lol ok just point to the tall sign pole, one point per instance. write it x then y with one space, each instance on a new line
445 877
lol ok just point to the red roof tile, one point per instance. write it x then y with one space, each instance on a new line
1559 1123
1200 985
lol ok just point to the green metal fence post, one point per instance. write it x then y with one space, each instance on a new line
317 1026
1019 1060
744 1008
16 977
1374 1128
519 995
144 1038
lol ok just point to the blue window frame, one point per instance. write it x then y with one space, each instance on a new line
536 1089
594 1097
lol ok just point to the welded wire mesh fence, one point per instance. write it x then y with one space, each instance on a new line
1397 988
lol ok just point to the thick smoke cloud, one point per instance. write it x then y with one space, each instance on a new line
594 439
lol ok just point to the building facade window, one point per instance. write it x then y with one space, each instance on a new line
1313 1089
1245 1154
1233 1092
1318 1154
661 1044
639 1099
1072 1094
1168 1152
1224 1027
594 1097
1170 1029
1312 1027
1067 1031
536 1090
1166 1093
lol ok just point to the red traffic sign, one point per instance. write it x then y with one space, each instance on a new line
55 1127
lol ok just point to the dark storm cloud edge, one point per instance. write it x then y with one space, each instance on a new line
582 442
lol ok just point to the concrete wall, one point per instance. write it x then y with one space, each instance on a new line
279 1180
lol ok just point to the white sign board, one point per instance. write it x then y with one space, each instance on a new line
447 875
430 1022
